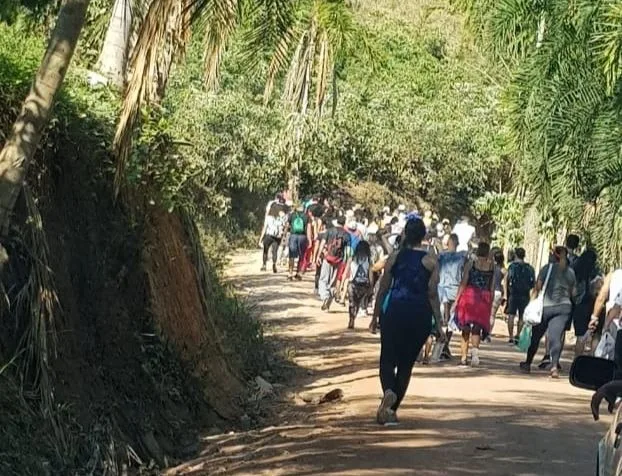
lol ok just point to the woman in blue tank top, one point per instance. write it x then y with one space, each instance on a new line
407 299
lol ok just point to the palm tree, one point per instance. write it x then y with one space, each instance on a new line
563 105
306 40
36 111
112 59
310 52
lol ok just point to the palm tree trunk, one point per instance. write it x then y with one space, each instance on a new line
112 61
34 117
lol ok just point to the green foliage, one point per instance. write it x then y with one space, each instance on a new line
506 212
426 123
563 105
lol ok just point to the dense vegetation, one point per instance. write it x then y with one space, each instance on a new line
562 101
411 115
423 120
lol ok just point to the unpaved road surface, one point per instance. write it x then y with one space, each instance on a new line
486 421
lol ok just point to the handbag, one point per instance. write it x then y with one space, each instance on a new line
533 311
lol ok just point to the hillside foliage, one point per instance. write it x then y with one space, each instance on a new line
410 115
562 102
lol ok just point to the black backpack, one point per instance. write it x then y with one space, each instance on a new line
521 278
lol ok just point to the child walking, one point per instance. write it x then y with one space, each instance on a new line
360 277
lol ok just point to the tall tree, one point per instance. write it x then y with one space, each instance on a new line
305 38
113 57
315 43
20 147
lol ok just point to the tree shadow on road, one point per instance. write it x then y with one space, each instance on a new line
479 440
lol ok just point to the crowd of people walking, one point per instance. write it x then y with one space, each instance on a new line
421 280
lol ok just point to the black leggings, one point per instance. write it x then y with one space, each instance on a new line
358 298
401 338
554 319
270 242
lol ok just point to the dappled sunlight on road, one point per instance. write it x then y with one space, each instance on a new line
486 421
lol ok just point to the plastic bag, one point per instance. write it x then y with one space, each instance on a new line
524 340
606 347
452 325
437 350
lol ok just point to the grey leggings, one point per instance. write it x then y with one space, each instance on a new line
554 319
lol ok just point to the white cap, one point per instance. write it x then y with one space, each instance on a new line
402 207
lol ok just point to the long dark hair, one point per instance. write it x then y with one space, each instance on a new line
362 252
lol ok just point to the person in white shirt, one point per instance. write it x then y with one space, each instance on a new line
465 233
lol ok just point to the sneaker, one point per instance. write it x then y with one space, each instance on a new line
511 341
388 400
326 304
463 363
474 358
391 418
263 268
298 277
546 361
274 270
555 373
525 367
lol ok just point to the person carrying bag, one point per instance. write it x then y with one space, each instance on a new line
533 311
533 315
551 309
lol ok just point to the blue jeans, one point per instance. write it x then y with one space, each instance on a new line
297 246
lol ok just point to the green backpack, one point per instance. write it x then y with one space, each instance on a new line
298 224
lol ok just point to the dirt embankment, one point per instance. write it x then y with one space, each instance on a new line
138 367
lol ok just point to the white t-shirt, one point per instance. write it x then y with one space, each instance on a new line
615 289
465 234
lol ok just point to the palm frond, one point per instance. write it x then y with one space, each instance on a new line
220 20
269 25
608 42
162 36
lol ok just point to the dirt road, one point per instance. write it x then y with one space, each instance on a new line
491 420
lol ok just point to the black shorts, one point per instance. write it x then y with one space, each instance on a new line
516 305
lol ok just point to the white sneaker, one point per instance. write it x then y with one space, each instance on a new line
475 358
388 400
